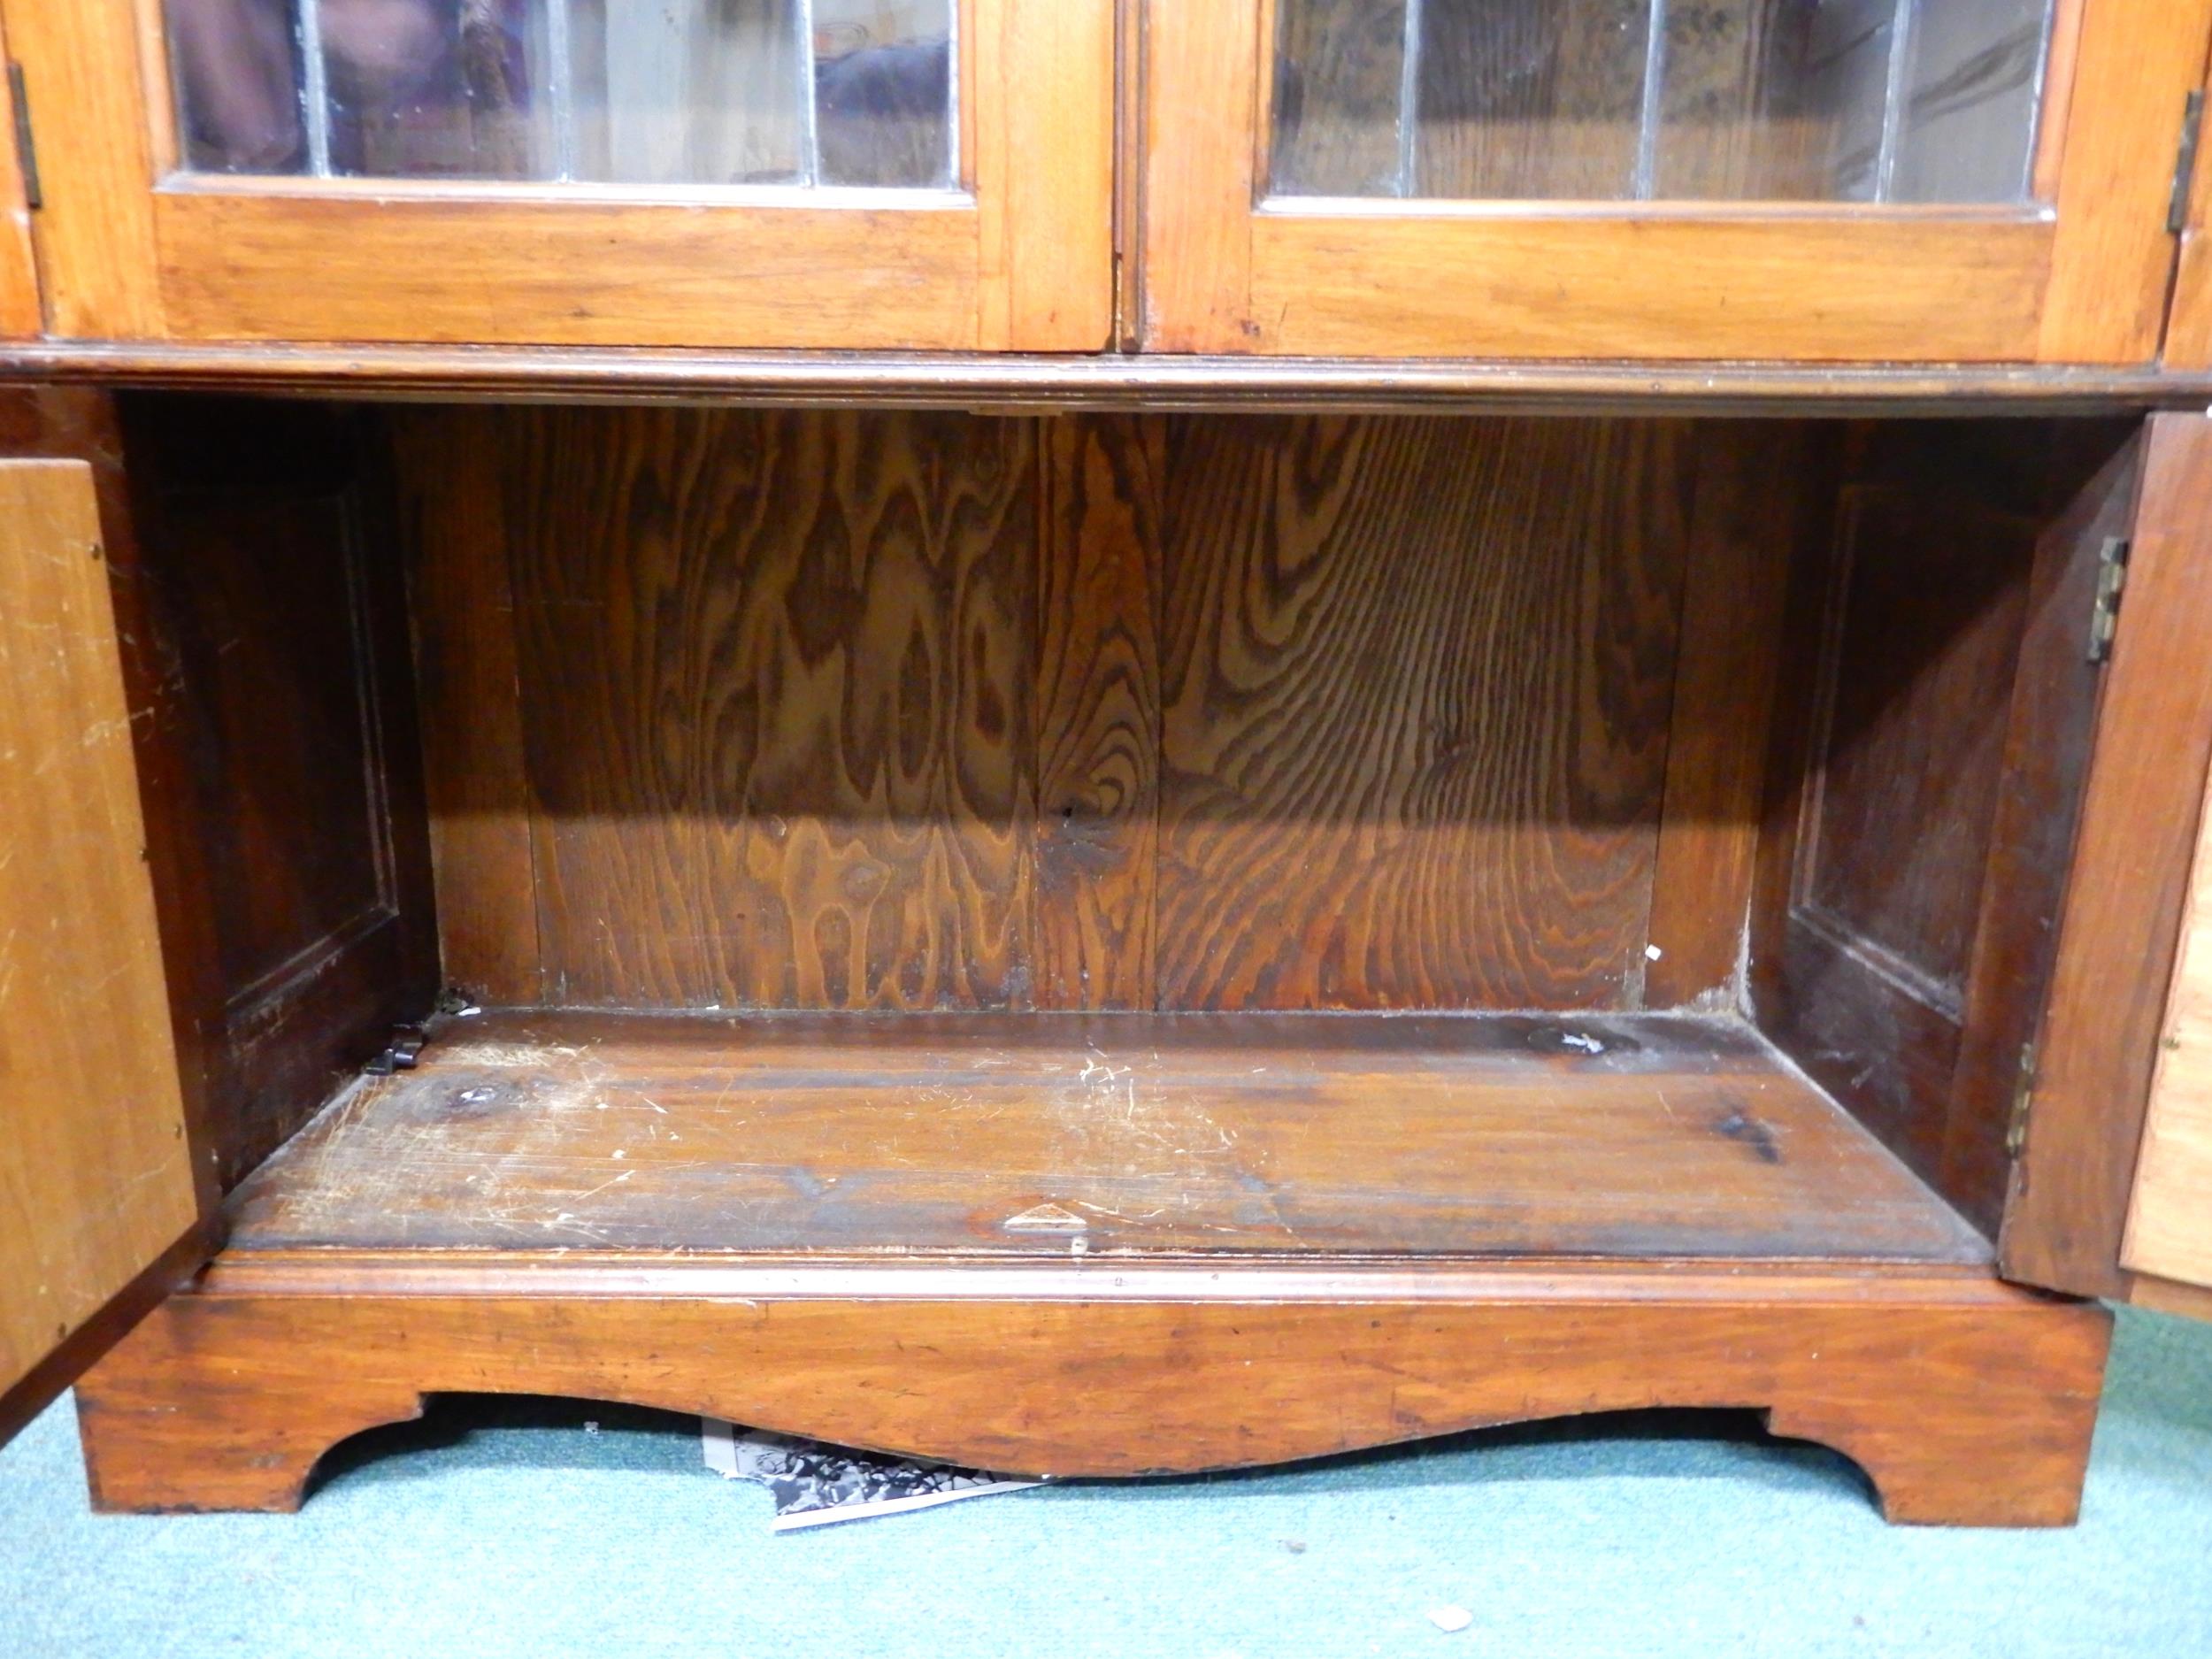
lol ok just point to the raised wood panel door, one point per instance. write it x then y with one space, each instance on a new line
1980 181
1946 709
97 1186
926 174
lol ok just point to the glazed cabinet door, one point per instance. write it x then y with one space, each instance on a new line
1775 180
927 174
98 1204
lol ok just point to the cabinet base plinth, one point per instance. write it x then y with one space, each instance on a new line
1967 1403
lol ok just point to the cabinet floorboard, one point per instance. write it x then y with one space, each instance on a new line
1057 1135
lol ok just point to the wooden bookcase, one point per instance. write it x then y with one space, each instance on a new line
583 817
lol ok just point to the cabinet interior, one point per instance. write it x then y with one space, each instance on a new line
848 832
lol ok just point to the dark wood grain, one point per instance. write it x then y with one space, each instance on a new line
1098 714
1918 638
452 511
1030 1134
723 618
268 549
776 706
1340 73
1909 888
1417 679
1967 1403
1928 636
2131 864
1762 494
1522 100
2050 734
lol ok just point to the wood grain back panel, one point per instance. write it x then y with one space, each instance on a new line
910 711
776 705
1098 714
1417 679
95 1175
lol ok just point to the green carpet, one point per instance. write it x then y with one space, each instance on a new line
499 1527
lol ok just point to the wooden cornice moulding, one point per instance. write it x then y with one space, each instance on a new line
1017 383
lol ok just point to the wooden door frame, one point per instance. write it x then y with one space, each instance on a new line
1020 259
2084 280
2121 925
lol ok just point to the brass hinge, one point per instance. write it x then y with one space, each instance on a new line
2104 610
2022 1102
25 148
2184 164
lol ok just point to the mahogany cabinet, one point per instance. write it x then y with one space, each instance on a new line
1101 738
1089 943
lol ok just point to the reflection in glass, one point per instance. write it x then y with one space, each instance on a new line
1529 100
753 92
236 68
1903 101
883 96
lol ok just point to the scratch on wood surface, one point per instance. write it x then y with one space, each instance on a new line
892 1137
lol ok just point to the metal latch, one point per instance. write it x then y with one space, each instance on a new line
2022 1101
2104 612
26 147
2184 164
399 1053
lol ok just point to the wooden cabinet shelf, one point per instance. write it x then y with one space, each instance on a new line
1112 1136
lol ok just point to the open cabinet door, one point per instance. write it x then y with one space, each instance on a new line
99 1209
19 314
2080 1130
